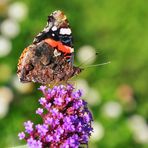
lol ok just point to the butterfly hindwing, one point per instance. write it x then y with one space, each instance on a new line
44 64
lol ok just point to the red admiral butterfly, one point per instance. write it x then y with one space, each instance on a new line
50 58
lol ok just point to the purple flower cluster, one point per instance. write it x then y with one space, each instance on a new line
66 120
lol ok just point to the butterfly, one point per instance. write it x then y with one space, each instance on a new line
49 59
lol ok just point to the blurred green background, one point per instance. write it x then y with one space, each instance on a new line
116 93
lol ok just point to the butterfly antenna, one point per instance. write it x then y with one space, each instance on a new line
87 60
96 65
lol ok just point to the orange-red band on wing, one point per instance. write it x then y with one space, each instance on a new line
51 42
58 45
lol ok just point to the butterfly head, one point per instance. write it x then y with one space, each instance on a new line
77 70
57 18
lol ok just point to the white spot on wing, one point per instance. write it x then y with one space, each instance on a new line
46 29
56 53
39 34
54 28
71 50
65 31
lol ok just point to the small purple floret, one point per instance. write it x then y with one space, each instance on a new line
58 101
32 143
21 135
28 127
39 111
42 101
42 129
